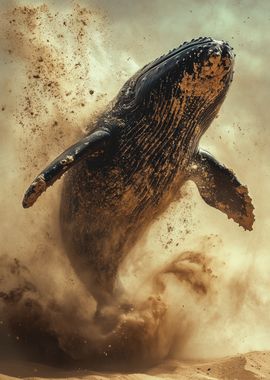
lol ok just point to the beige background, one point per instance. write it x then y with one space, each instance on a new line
38 121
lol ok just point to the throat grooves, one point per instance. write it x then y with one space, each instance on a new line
155 147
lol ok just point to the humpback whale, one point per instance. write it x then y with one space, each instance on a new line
135 157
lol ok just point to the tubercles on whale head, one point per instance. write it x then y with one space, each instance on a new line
203 58
196 72
208 71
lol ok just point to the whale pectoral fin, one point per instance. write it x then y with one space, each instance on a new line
97 142
220 188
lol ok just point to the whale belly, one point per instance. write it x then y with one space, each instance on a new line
93 225
103 215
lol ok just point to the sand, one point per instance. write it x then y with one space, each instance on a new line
250 366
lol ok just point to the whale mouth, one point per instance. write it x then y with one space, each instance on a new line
181 49
203 51
203 46
203 55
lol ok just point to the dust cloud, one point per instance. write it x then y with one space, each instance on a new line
197 284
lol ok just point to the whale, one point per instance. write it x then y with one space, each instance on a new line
131 163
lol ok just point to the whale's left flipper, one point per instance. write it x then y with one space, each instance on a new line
98 142
220 188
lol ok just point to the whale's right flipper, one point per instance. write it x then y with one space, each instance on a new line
220 188
98 142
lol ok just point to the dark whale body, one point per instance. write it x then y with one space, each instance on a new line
134 159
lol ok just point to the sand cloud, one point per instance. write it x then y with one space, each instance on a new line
198 283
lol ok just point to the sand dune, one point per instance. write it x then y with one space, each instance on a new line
251 366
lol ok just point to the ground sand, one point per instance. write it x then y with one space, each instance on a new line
254 365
